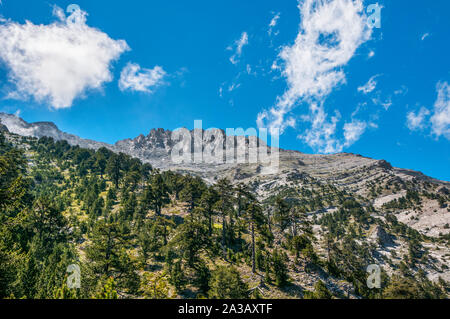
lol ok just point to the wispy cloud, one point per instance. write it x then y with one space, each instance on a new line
426 35
238 47
233 86
416 120
353 132
135 78
58 62
322 135
440 121
329 35
273 23
369 86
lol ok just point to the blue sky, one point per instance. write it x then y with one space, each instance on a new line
385 93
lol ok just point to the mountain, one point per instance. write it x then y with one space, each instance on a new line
368 178
376 214
18 126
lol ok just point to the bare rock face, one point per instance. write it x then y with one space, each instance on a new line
380 236
3 128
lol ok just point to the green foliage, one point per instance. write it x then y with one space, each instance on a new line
108 290
226 283
107 255
176 276
320 292
279 268
155 286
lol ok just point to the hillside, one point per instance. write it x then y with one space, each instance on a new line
317 224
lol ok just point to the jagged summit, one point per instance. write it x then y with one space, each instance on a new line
349 170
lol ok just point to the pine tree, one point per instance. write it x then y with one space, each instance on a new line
177 277
114 169
282 213
207 202
192 238
157 194
226 283
224 206
279 268
107 254
255 219
192 192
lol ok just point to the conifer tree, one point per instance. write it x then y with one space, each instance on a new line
114 169
208 201
226 283
255 219
107 254
224 206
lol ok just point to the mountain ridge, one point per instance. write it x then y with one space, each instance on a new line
155 148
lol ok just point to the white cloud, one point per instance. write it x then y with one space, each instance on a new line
234 86
58 62
369 86
329 35
426 35
273 23
135 78
379 100
353 131
440 121
416 121
322 133
321 136
238 46
402 91
371 54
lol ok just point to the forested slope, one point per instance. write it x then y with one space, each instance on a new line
136 232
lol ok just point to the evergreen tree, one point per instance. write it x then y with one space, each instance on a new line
224 206
226 283
208 201
255 218
279 268
107 255
282 213
114 169
177 277
156 196
192 239
192 192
